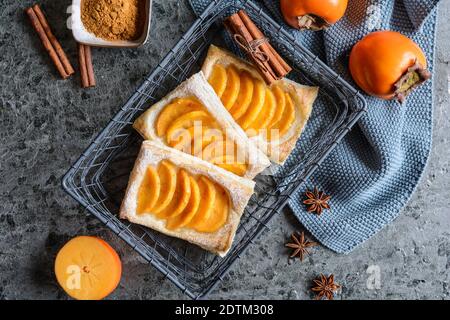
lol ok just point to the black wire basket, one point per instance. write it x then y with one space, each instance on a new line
99 177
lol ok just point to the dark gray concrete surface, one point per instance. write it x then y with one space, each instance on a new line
46 123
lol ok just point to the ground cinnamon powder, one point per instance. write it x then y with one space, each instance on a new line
114 19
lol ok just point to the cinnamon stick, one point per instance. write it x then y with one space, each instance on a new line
86 69
280 66
82 64
46 42
89 66
235 24
56 45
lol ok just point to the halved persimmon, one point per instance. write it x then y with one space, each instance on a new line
88 268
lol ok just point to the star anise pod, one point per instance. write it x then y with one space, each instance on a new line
317 201
300 245
325 287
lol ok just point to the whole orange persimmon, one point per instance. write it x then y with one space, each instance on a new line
388 65
313 14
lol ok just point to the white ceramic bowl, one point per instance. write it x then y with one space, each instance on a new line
81 35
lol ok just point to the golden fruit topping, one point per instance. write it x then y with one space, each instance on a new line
233 87
219 215
186 125
218 79
168 180
149 191
245 96
257 108
173 111
184 200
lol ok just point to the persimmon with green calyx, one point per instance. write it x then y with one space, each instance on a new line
88 268
312 14
388 65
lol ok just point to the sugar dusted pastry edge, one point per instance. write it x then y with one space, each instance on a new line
239 189
304 97
199 87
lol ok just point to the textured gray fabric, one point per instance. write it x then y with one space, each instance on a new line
373 172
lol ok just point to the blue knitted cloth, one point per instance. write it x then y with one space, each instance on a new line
373 172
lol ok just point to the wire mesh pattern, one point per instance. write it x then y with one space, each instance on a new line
99 177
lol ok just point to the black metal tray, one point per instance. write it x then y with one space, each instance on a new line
99 177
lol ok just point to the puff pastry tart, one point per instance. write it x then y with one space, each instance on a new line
193 120
185 197
272 117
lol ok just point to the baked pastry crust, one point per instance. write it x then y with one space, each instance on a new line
199 87
239 189
303 96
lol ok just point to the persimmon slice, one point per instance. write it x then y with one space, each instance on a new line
88 268
185 200
229 163
188 120
173 111
204 138
208 196
218 149
233 86
280 99
219 215
218 79
148 191
238 169
190 211
266 114
182 139
288 116
168 179
180 198
255 107
245 96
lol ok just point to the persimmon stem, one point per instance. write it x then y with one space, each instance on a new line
413 77
312 22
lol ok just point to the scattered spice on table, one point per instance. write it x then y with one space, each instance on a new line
325 287
300 245
49 41
114 19
317 201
